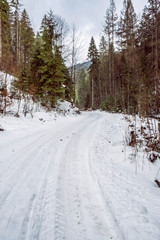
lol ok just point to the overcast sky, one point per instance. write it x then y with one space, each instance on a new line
87 15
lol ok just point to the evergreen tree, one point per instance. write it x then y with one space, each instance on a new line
26 39
83 90
24 51
68 85
109 30
127 34
103 73
5 35
149 35
15 33
94 74
35 74
52 71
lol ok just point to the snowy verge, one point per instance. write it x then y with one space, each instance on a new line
126 182
21 111
40 118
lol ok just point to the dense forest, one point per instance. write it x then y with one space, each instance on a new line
36 61
123 73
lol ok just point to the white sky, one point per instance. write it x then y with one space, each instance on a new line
87 15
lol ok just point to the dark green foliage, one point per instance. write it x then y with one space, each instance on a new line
103 74
40 69
5 36
83 90
94 75
52 79
35 74
110 105
68 86
52 70
26 39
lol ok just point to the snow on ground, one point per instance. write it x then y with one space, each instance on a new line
126 183
73 178
20 105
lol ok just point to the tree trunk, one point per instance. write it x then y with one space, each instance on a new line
73 63
156 58
159 130
92 93
0 37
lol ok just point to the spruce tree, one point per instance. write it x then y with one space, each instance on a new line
15 33
26 39
35 74
103 71
94 75
109 30
5 35
83 90
52 70
149 35
127 34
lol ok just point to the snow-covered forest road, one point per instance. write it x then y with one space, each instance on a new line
69 180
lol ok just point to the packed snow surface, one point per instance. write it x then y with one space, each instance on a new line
73 178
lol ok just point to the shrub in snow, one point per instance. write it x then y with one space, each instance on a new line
142 134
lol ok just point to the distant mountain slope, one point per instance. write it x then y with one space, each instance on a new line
84 65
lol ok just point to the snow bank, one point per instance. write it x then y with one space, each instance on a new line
126 180
66 108
31 113
40 117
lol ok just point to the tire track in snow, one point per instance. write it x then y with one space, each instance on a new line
36 213
13 157
25 181
65 202
22 170
104 197
78 210
46 222
43 208
108 208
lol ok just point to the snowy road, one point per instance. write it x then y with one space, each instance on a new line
53 186
47 189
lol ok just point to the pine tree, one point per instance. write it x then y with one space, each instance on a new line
113 20
83 90
127 34
35 74
24 50
103 73
149 34
94 74
68 86
15 33
52 70
26 39
109 30
5 35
